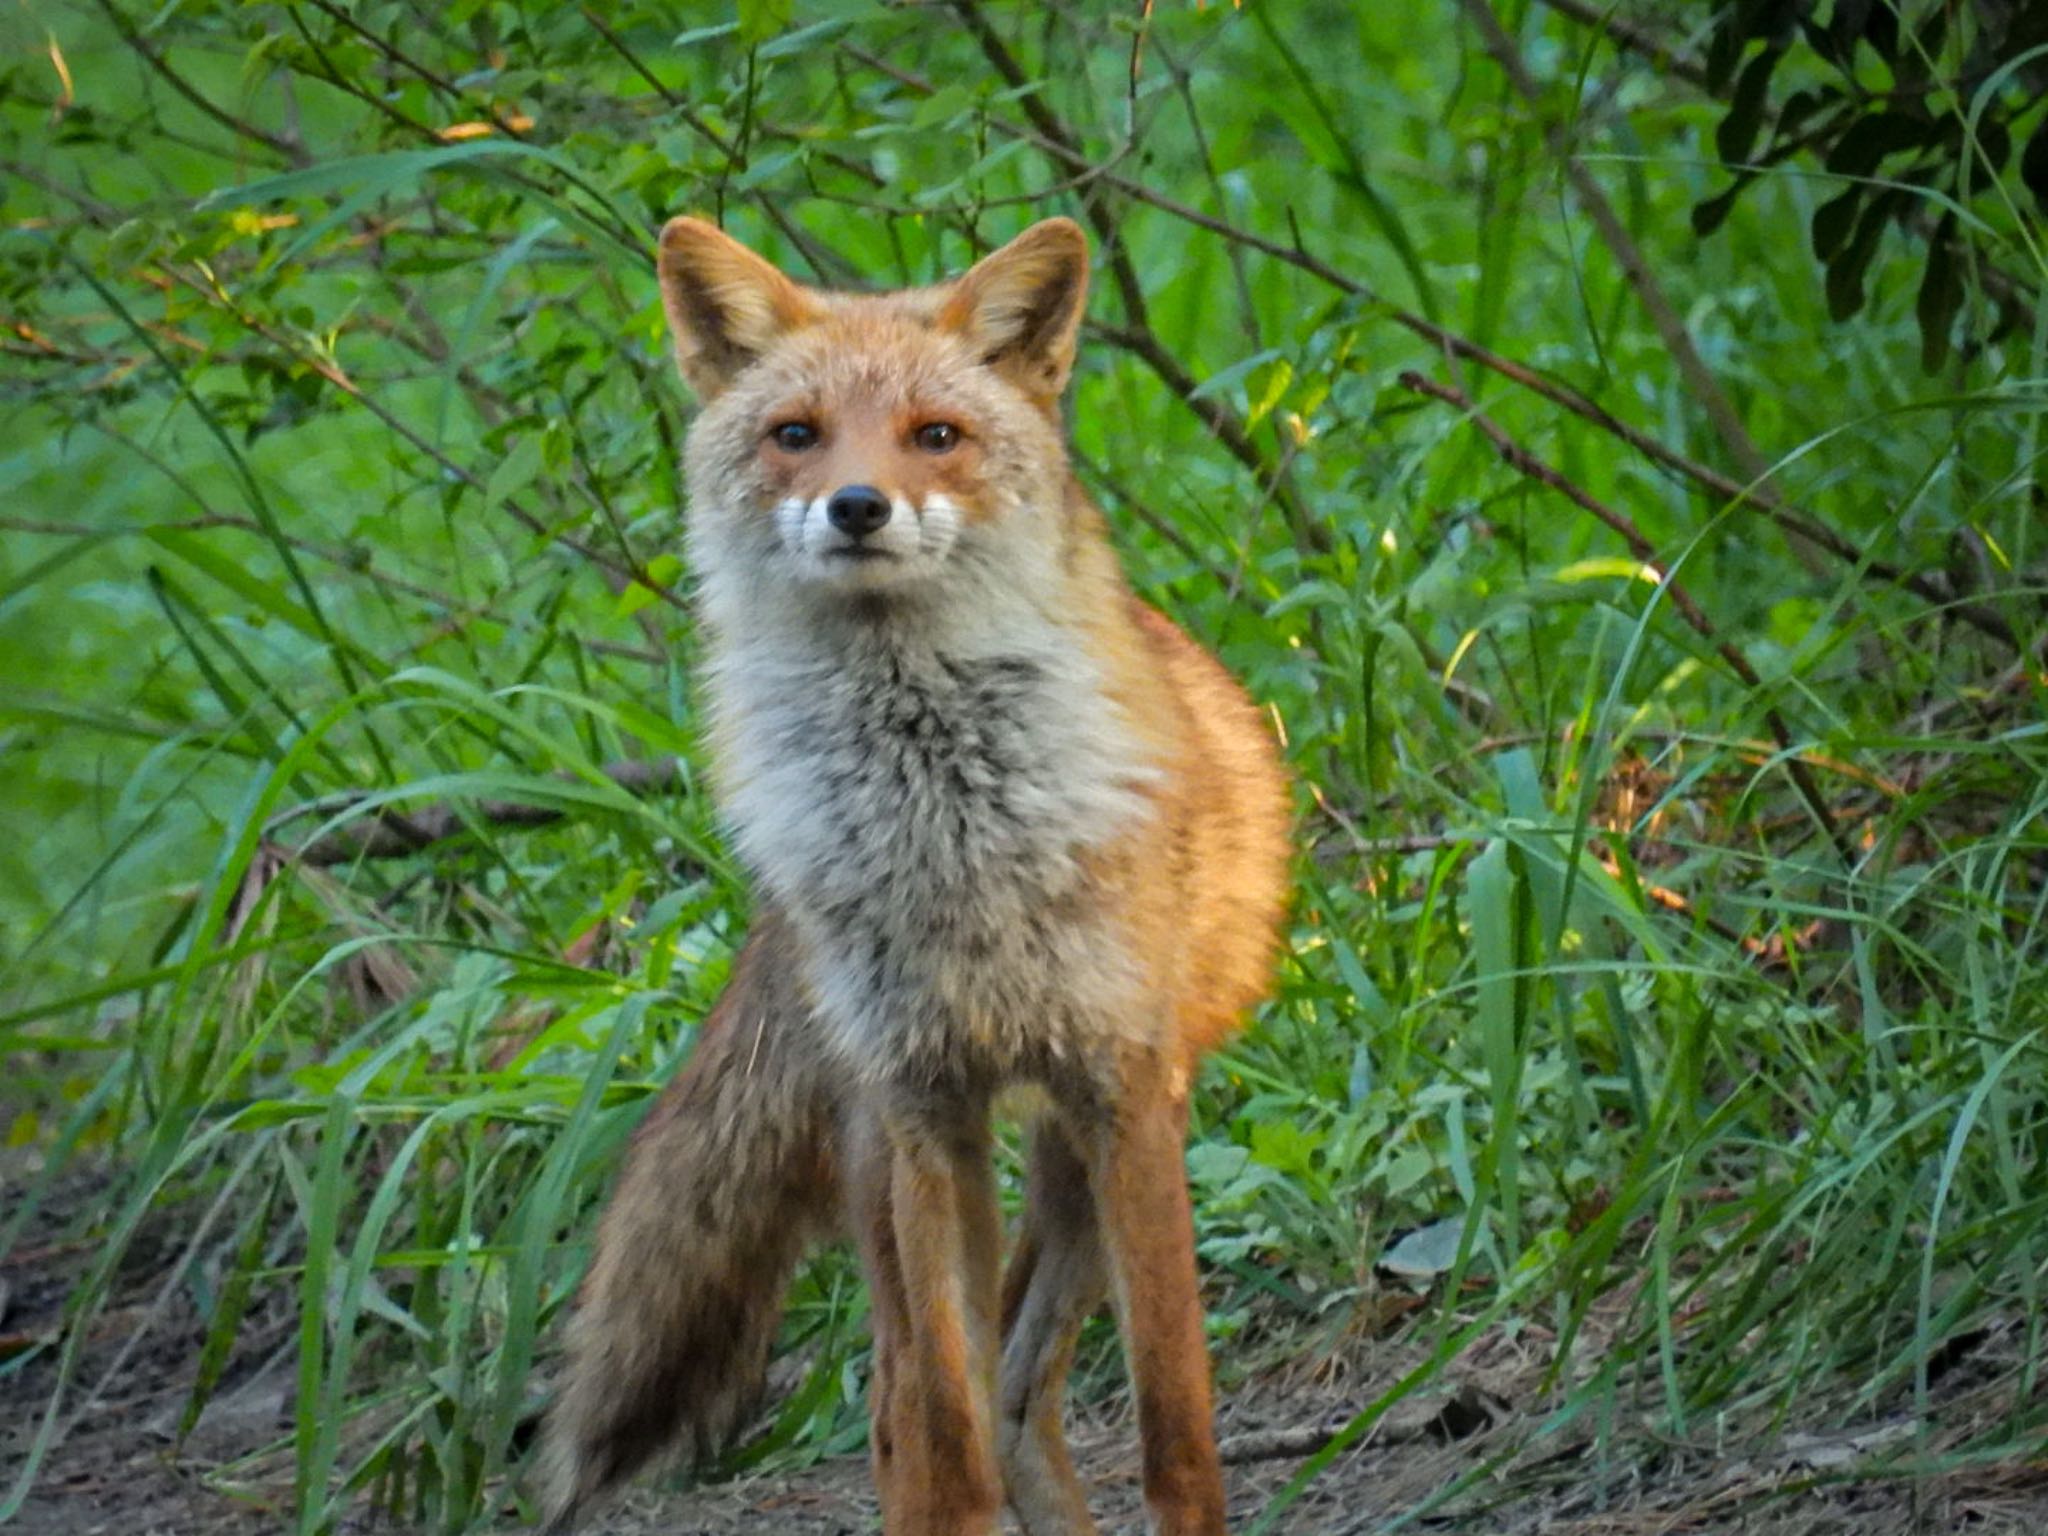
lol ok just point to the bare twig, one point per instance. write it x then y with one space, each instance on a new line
1288 1443
1453 1415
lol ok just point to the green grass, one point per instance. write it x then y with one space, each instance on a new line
1670 926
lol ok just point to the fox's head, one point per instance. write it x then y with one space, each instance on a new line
873 446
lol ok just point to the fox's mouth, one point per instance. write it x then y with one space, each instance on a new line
910 544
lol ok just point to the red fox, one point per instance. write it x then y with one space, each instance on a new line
1009 828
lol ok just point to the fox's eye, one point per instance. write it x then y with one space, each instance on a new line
936 436
794 436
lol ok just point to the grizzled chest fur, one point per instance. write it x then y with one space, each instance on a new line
926 821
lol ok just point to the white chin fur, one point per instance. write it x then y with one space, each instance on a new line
912 544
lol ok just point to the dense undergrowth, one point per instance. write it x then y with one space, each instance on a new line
1661 662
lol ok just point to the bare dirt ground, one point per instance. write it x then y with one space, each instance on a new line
1476 1456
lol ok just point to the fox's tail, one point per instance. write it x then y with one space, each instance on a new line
728 1180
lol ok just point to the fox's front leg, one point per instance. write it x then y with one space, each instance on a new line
929 1233
1138 1174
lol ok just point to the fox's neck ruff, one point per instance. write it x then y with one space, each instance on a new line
922 789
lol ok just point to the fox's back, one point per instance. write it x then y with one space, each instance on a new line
1228 835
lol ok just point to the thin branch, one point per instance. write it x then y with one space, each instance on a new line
1288 1443
1466 1410
603 214
446 87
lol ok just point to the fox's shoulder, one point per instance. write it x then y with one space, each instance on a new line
1170 660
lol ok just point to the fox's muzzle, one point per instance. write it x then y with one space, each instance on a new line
857 510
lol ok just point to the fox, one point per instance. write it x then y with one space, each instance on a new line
1015 840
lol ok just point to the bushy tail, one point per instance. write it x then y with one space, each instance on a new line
727 1182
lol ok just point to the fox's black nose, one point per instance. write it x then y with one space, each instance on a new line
857 510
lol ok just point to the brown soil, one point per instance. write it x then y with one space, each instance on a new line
1473 1455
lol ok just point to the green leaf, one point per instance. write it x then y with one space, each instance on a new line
514 473
942 106
1736 135
1608 567
1866 143
1236 373
1500 1001
2034 164
196 551
1426 1252
1724 50
1846 272
661 573
1711 213
762 19
1284 1146
1834 219
1271 393
1940 297
377 174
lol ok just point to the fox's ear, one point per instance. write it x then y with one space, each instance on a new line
724 303
1021 306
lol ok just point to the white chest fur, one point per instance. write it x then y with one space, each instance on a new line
922 817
